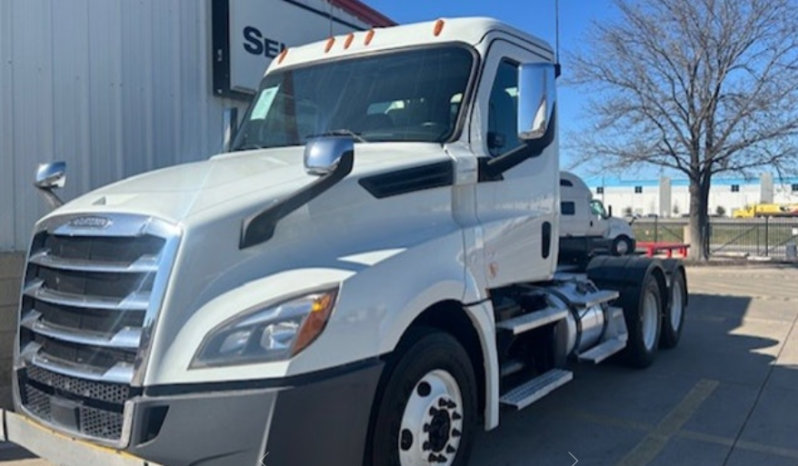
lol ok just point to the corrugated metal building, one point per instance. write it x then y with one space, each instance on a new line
120 87
114 88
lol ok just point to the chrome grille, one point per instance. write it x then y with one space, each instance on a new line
93 286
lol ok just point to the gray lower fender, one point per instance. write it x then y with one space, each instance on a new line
320 419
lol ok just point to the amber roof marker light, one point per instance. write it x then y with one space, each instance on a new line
369 37
349 39
330 43
281 57
438 27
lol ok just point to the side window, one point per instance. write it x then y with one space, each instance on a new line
568 208
503 110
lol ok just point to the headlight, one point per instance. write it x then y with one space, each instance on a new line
273 333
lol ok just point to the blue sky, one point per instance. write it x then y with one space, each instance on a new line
533 16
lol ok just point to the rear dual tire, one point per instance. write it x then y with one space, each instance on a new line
673 318
644 324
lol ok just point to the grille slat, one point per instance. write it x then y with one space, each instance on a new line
144 264
135 301
128 338
90 289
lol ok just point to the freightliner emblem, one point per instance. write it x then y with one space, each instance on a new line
93 222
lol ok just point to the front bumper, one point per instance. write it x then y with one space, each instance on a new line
317 419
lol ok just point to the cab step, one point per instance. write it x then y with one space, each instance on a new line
533 320
595 298
603 351
524 395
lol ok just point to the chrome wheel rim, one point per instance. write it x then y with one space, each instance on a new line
650 316
677 305
432 423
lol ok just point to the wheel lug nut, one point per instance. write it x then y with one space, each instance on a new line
426 446
456 416
456 433
433 411
407 440
432 458
451 405
426 428
450 449
442 403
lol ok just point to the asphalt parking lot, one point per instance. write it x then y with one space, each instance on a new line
727 396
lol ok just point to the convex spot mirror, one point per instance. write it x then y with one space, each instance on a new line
50 175
324 154
537 97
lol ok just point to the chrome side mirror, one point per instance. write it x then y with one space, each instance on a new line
50 176
536 100
324 154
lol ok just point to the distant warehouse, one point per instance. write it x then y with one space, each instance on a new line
671 198
117 87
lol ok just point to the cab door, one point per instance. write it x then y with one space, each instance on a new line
518 210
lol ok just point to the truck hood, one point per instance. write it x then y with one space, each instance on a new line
176 193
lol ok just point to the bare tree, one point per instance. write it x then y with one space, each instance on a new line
697 86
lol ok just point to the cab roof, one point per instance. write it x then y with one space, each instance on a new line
470 31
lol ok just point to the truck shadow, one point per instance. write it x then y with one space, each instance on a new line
609 409
10 452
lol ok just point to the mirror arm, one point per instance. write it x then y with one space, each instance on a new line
229 128
51 198
493 169
259 227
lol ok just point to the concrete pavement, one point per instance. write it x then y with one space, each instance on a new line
727 396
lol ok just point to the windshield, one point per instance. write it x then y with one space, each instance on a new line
598 208
412 95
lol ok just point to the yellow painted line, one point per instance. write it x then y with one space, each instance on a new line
655 441
608 421
92 446
704 318
687 434
707 438
758 447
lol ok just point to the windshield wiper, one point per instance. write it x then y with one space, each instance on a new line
340 132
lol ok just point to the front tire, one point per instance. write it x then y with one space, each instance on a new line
622 245
427 414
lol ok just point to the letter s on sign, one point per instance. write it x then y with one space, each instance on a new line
253 40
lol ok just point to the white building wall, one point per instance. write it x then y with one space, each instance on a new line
113 87
622 198
784 194
721 194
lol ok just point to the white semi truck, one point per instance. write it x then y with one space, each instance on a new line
366 278
586 226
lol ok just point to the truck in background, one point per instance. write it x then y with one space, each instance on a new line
586 226
766 210
366 278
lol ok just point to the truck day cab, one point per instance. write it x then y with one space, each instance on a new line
585 226
366 278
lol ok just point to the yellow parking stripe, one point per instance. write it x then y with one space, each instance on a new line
655 441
